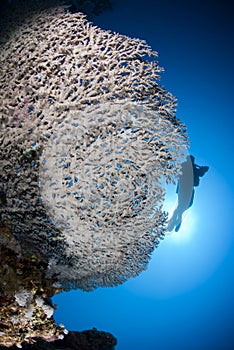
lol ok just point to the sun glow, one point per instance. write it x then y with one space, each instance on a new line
186 230
188 218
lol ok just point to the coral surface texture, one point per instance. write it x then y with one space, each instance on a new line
87 139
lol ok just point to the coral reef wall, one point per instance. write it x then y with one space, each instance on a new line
86 136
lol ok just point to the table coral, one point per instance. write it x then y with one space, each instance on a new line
86 136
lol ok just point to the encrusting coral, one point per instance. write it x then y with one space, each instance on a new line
26 311
24 320
86 136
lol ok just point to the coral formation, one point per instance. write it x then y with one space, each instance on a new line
86 135
26 309
26 317
86 340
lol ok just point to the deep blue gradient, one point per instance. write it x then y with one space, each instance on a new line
185 298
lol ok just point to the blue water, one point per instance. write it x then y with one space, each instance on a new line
185 298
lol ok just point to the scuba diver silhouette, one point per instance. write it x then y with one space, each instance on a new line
189 179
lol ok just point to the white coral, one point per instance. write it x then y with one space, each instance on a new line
99 179
23 297
48 310
86 134
29 311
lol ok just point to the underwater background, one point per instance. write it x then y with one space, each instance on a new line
185 298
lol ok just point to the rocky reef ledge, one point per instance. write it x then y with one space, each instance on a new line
86 340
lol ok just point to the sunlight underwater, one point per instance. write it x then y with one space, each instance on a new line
186 259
